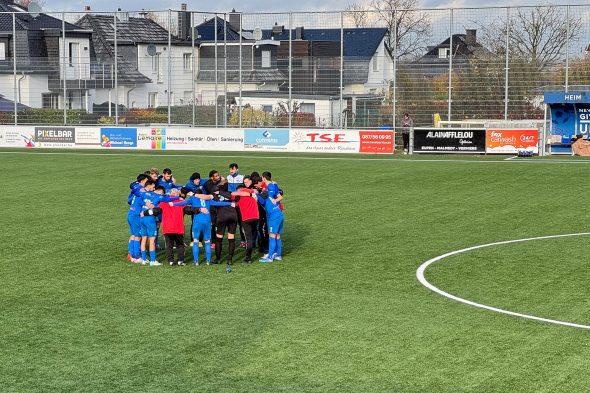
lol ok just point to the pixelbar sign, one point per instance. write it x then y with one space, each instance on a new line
55 136
512 141
376 142
449 140
325 141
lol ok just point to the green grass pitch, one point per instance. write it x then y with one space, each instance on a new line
343 312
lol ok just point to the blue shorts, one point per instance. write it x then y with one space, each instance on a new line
148 226
134 222
202 228
275 225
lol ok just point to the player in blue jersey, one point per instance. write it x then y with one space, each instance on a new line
274 217
195 182
134 220
201 222
137 186
148 223
167 181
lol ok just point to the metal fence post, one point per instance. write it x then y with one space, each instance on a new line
169 64
450 67
567 50
341 68
225 70
215 69
193 64
14 67
240 76
394 93
290 70
506 69
116 75
63 31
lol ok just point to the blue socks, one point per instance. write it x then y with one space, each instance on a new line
135 248
207 247
196 251
152 256
272 244
143 255
279 249
130 247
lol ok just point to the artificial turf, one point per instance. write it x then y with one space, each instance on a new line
343 311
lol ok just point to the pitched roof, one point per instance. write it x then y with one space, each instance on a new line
358 42
206 31
135 30
27 22
461 48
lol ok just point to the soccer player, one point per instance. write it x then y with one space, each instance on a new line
195 182
167 181
173 229
134 220
234 180
137 186
201 222
275 219
227 217
154 174
248 205
148 223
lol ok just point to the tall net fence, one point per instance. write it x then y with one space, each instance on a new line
346 69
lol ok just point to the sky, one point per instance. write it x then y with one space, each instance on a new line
269 5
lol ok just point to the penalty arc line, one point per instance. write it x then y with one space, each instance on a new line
425 265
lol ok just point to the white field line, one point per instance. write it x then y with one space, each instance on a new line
425 265
240 155
510 158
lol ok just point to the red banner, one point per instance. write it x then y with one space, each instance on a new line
376 142
511 141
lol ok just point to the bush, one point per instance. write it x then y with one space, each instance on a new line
252 118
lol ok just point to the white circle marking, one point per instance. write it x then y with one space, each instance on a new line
425 265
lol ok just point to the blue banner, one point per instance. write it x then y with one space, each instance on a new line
266 138
118 137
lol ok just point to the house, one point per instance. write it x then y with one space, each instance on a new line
44 60
315 66
142 60
465 47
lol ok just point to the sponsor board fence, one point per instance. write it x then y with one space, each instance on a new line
220 139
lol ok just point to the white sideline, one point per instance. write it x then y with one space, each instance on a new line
425 265
196 154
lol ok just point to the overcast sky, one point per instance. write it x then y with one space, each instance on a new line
268 5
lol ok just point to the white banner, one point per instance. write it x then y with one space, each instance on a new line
324 141
18 136
162 138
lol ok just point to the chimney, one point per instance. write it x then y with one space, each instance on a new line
87 8
471 37
184 23
277 30
235 19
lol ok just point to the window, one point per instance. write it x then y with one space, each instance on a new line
307 108
443 53
152 100
2 51
376 61
186 61
74 53
267 108
156 63
265 59
50 100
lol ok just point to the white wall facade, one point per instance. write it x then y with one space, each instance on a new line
77 63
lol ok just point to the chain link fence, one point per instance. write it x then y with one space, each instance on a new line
347 69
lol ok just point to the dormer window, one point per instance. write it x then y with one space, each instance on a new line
444 53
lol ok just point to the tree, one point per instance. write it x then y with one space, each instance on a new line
358 14
537 35
409 28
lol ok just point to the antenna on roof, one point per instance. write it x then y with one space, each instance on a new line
34 9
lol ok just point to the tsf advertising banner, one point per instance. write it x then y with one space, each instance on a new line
324 141
449 140
511 141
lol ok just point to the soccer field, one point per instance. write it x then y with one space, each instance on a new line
343 312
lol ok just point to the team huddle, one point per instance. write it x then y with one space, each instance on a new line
250 205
